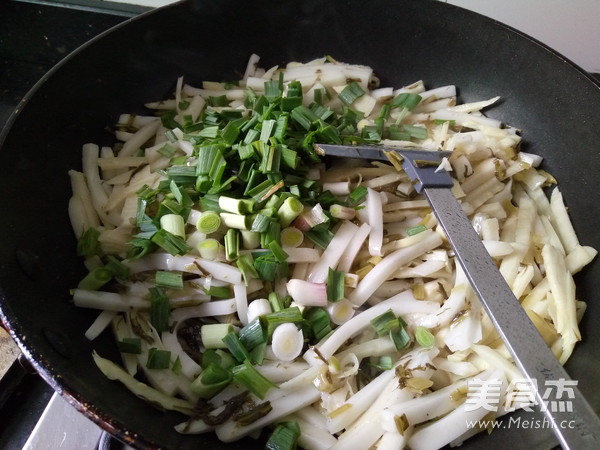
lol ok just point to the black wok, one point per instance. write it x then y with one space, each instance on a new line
554 102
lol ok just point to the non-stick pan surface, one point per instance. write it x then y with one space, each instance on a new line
556 105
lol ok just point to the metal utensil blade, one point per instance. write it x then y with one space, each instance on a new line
578 428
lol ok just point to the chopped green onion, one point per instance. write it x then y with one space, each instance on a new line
342 212
219 100
257 354
416 230
318 322
171 243
235 346
406 100
236 205
278 252
351 93
303 116
210 249
277 317
219 291
385 322
158 359
247 375
289 210
424 337
416 132
95 279
275 302
172 280
246 266
231 131
358 195
217 356
206 157
167 150
291 237
268 268
211 381
260 223
284 437
335 285
213 334
271 234
130 345
384 363
88 244
237 221
400 337
254 333
117 268
250 239
174 224
232 244
160 309
208 222
177 366
321 238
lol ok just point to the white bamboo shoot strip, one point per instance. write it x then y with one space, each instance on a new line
562 222
332 254
114 372
358 403
98 196
122 162
446 429
109 301
482 172
375 216
282 406
368 428
349 254
381 272
497 360
580 257
400 304
140 137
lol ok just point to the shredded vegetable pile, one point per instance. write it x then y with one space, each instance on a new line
252 287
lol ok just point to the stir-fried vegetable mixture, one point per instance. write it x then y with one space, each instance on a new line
251 286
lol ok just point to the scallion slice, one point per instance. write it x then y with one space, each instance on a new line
158 359
232 244
416 230
424 337
208 222
95 279
247 375
211 381
160 309
335 285
130 345
235 346
284 437
213 334
351 93
318 322
88 244
171 280
254 333
171 243
385 322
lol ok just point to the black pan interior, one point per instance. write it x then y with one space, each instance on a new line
556 105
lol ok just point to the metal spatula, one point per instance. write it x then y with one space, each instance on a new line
577 429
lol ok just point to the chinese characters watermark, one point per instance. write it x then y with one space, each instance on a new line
491 395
